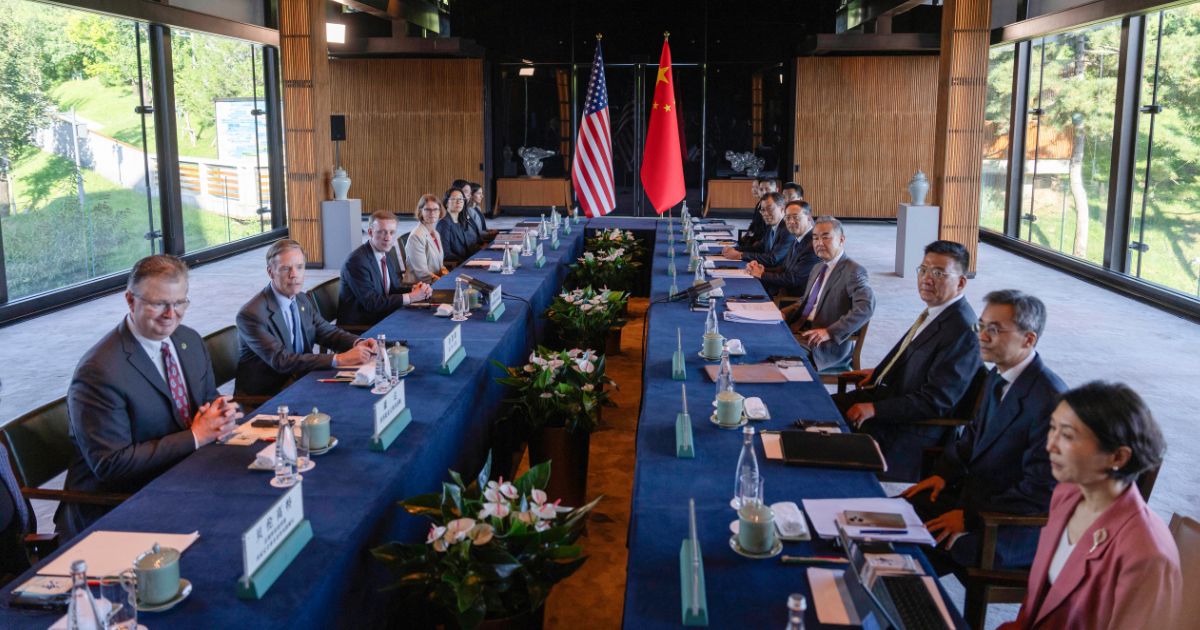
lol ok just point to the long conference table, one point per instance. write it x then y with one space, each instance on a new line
350 497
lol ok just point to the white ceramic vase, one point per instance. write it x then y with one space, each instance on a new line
341 184
918 188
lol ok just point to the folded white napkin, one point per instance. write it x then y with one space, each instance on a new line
756 409
444 310
735 347
364 375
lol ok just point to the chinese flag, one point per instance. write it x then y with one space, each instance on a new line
662 164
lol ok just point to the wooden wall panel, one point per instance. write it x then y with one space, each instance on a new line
412 126
864 125
305 71
962 137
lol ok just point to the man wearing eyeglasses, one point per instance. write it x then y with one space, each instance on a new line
144 397
776 241
790 277
999 463
927 372
278 327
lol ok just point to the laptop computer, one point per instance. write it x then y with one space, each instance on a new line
891 602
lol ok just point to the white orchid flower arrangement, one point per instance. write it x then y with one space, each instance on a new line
582 317
558 388
494 548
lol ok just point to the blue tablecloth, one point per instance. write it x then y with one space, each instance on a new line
350 497
740 592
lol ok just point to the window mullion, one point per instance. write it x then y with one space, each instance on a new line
166 142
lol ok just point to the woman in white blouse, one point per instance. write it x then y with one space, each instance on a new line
424 249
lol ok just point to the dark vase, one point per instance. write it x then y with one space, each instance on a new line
568 456
612 341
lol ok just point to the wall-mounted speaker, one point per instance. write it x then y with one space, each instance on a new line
337 127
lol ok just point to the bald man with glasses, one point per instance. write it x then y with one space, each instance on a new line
144 397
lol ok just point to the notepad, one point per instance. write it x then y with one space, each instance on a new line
857 451
109 553
751 373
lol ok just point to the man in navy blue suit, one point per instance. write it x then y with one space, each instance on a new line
999 463
926 374
771 249
372 277
791 276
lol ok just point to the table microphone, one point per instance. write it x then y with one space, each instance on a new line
693 291
479 285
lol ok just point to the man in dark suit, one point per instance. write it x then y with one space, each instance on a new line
772 248
837 300
759 187
367 294
790 277
927 373
278 327
999 463
143 397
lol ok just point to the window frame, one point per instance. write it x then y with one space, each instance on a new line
159 20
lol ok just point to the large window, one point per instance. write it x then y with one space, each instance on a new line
76 198
1072 94
221 129
1164 235
83 192
1110 173
995 152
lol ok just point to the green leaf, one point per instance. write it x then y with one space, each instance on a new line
429 505
536 477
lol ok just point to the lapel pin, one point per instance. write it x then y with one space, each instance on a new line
1098 537
301 309
183 345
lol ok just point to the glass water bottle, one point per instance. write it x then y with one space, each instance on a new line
747 483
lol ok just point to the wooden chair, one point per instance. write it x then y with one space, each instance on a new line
20 544
1186 531
40 446
325 296
986 584
831 376
223 351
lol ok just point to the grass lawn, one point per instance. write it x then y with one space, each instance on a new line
112 108
49 243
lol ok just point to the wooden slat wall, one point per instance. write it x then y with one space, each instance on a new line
412 126
961 99
864 125
305 70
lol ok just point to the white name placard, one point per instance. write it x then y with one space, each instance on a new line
388 407
494 299
271 529
451 344
539 255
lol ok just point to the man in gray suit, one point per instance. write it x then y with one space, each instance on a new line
278 327
837 299
143 397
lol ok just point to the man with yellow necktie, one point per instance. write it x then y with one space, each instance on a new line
927 373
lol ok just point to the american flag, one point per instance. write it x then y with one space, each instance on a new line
591 171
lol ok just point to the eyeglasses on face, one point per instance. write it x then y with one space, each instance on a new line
991 330
161 307
937 274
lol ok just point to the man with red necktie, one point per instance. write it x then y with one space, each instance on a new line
144 397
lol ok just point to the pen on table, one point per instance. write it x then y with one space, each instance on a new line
335 380
813 560
884 532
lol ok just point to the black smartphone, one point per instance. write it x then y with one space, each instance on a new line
263 423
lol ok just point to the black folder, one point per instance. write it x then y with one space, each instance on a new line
857 451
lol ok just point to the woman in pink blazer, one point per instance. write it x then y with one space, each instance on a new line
1104 559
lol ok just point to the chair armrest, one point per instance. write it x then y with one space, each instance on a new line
39 546
845 379
992 522
940 422
786 300
998 577
74 496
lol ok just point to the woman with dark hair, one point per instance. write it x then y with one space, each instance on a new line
458 242
1104 559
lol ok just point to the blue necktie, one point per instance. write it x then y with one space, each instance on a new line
297 330
995 390
770 241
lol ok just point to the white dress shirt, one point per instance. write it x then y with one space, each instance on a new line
934 311
1011 375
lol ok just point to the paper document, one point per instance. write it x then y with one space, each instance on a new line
772 445
480 262
109 553
797 374
832 598
751 312
730 273
715 258
714 236
824 512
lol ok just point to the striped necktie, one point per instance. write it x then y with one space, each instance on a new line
908 337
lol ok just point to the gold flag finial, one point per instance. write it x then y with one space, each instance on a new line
599 36
666 34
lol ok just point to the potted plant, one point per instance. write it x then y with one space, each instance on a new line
585 318
556 405
616 269
493 552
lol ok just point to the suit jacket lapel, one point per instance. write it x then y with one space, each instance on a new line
1009 409
1090 547
373 265
141 361
191 363
307 308
276 316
